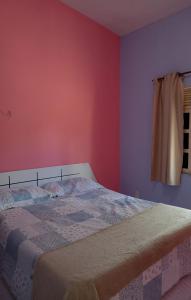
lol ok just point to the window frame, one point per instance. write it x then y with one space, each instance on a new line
187 109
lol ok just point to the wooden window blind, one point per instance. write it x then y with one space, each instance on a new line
187 98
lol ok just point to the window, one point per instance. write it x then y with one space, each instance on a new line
187 131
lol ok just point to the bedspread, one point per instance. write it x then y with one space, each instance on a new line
101 265
44 225
28 232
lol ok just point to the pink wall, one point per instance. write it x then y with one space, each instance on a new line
59 77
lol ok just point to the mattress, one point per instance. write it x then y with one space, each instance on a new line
35 228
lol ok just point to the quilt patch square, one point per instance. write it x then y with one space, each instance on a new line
79 216
43 227
152 290
184 257
21 284
69 208
15 238
21 194
19 218
63 221
8 266
134 290
152 272
49 241
170 271
27 256
42 212
110 218
92 195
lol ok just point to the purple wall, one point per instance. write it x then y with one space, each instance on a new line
150 52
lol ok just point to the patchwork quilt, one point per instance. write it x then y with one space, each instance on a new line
45 224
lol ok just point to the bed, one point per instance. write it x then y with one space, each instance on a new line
88 241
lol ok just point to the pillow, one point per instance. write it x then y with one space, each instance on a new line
75 185
9 197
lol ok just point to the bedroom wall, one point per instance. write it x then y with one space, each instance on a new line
145 54
59 89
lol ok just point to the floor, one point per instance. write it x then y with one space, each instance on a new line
4 294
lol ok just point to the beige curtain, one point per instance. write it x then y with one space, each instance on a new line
167 140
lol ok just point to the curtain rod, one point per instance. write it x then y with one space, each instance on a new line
180 74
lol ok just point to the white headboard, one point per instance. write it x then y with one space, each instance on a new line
44 175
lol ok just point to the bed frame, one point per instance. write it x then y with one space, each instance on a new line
44 175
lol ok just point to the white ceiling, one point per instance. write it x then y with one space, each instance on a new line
125 16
